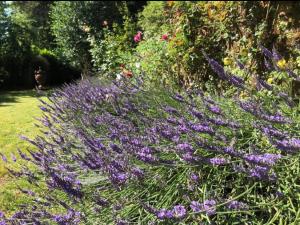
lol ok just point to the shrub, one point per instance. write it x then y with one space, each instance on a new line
113 47
55 70
71 23
224 29
3 75
121 152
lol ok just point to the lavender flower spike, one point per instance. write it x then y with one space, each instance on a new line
236 205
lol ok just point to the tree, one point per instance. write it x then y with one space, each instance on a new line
72 21
18 35
38 12
3 26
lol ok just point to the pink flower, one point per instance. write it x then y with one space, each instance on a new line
138 37
165 37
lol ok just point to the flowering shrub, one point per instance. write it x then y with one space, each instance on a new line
227 30
121 152
113 46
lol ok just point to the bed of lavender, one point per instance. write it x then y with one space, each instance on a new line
120 152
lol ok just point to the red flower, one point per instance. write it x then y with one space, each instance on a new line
127 73
165 37
138 37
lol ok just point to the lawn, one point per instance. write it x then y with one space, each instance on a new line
18 110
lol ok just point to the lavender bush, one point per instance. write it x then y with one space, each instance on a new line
119 152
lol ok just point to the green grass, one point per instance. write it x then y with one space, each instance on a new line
18 110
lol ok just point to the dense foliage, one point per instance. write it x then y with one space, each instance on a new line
72 20
227 30
165 134
121 152
25 32
99 36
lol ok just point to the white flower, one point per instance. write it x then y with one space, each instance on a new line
138 65
119 77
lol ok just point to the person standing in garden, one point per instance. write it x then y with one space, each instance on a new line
39 78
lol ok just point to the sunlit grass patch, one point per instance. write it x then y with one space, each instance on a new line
18 110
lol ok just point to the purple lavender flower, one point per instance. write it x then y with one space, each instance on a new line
146 154
240 64
250 107
237 81
236 205
164 214
202 128
217 68
263 84
194 177
136 142
28 192
196 206
214 109
218 161
276 118
197 114
117 207
72 217
179 97
171 110
172 120
267 158
279 194
139 173
190 157
23 155
185 147
292 74
255 110
266 52
259 172
101 201
183 129
179 211
175 138
270 131
167 132
292 144
209 207
268 65
116 148
4 159
119 178
229 150
276 55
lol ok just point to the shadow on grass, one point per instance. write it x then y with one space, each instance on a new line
7 97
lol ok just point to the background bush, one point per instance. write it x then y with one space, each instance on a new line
230 30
